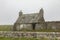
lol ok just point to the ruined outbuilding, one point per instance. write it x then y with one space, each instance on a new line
34 21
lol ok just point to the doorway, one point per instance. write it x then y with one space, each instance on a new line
33 26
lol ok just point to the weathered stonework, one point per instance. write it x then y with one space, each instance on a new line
34 21
29 34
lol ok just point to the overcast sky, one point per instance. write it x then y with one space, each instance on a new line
9 9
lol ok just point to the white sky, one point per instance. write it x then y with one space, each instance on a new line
9 9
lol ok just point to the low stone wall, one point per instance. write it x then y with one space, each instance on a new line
29 34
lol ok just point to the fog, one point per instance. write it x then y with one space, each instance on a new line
9 9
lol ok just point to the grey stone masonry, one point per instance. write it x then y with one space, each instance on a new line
34 21
29 34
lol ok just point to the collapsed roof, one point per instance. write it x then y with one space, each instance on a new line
30 18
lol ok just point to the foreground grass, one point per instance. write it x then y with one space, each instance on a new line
43 38
4 38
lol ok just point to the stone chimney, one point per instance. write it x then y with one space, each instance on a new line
20 13
41 12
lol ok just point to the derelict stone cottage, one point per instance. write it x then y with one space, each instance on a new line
34 21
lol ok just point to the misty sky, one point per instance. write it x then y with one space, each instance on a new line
9 9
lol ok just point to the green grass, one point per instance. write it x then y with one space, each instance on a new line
9 38
4 38
10 28
6 27
42 30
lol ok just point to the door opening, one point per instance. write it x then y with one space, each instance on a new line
33 25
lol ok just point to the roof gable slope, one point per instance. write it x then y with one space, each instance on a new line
30 18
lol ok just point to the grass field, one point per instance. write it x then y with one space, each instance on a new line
6 27
10 28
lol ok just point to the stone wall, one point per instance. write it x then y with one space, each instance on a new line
53 25
29 34
38 26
